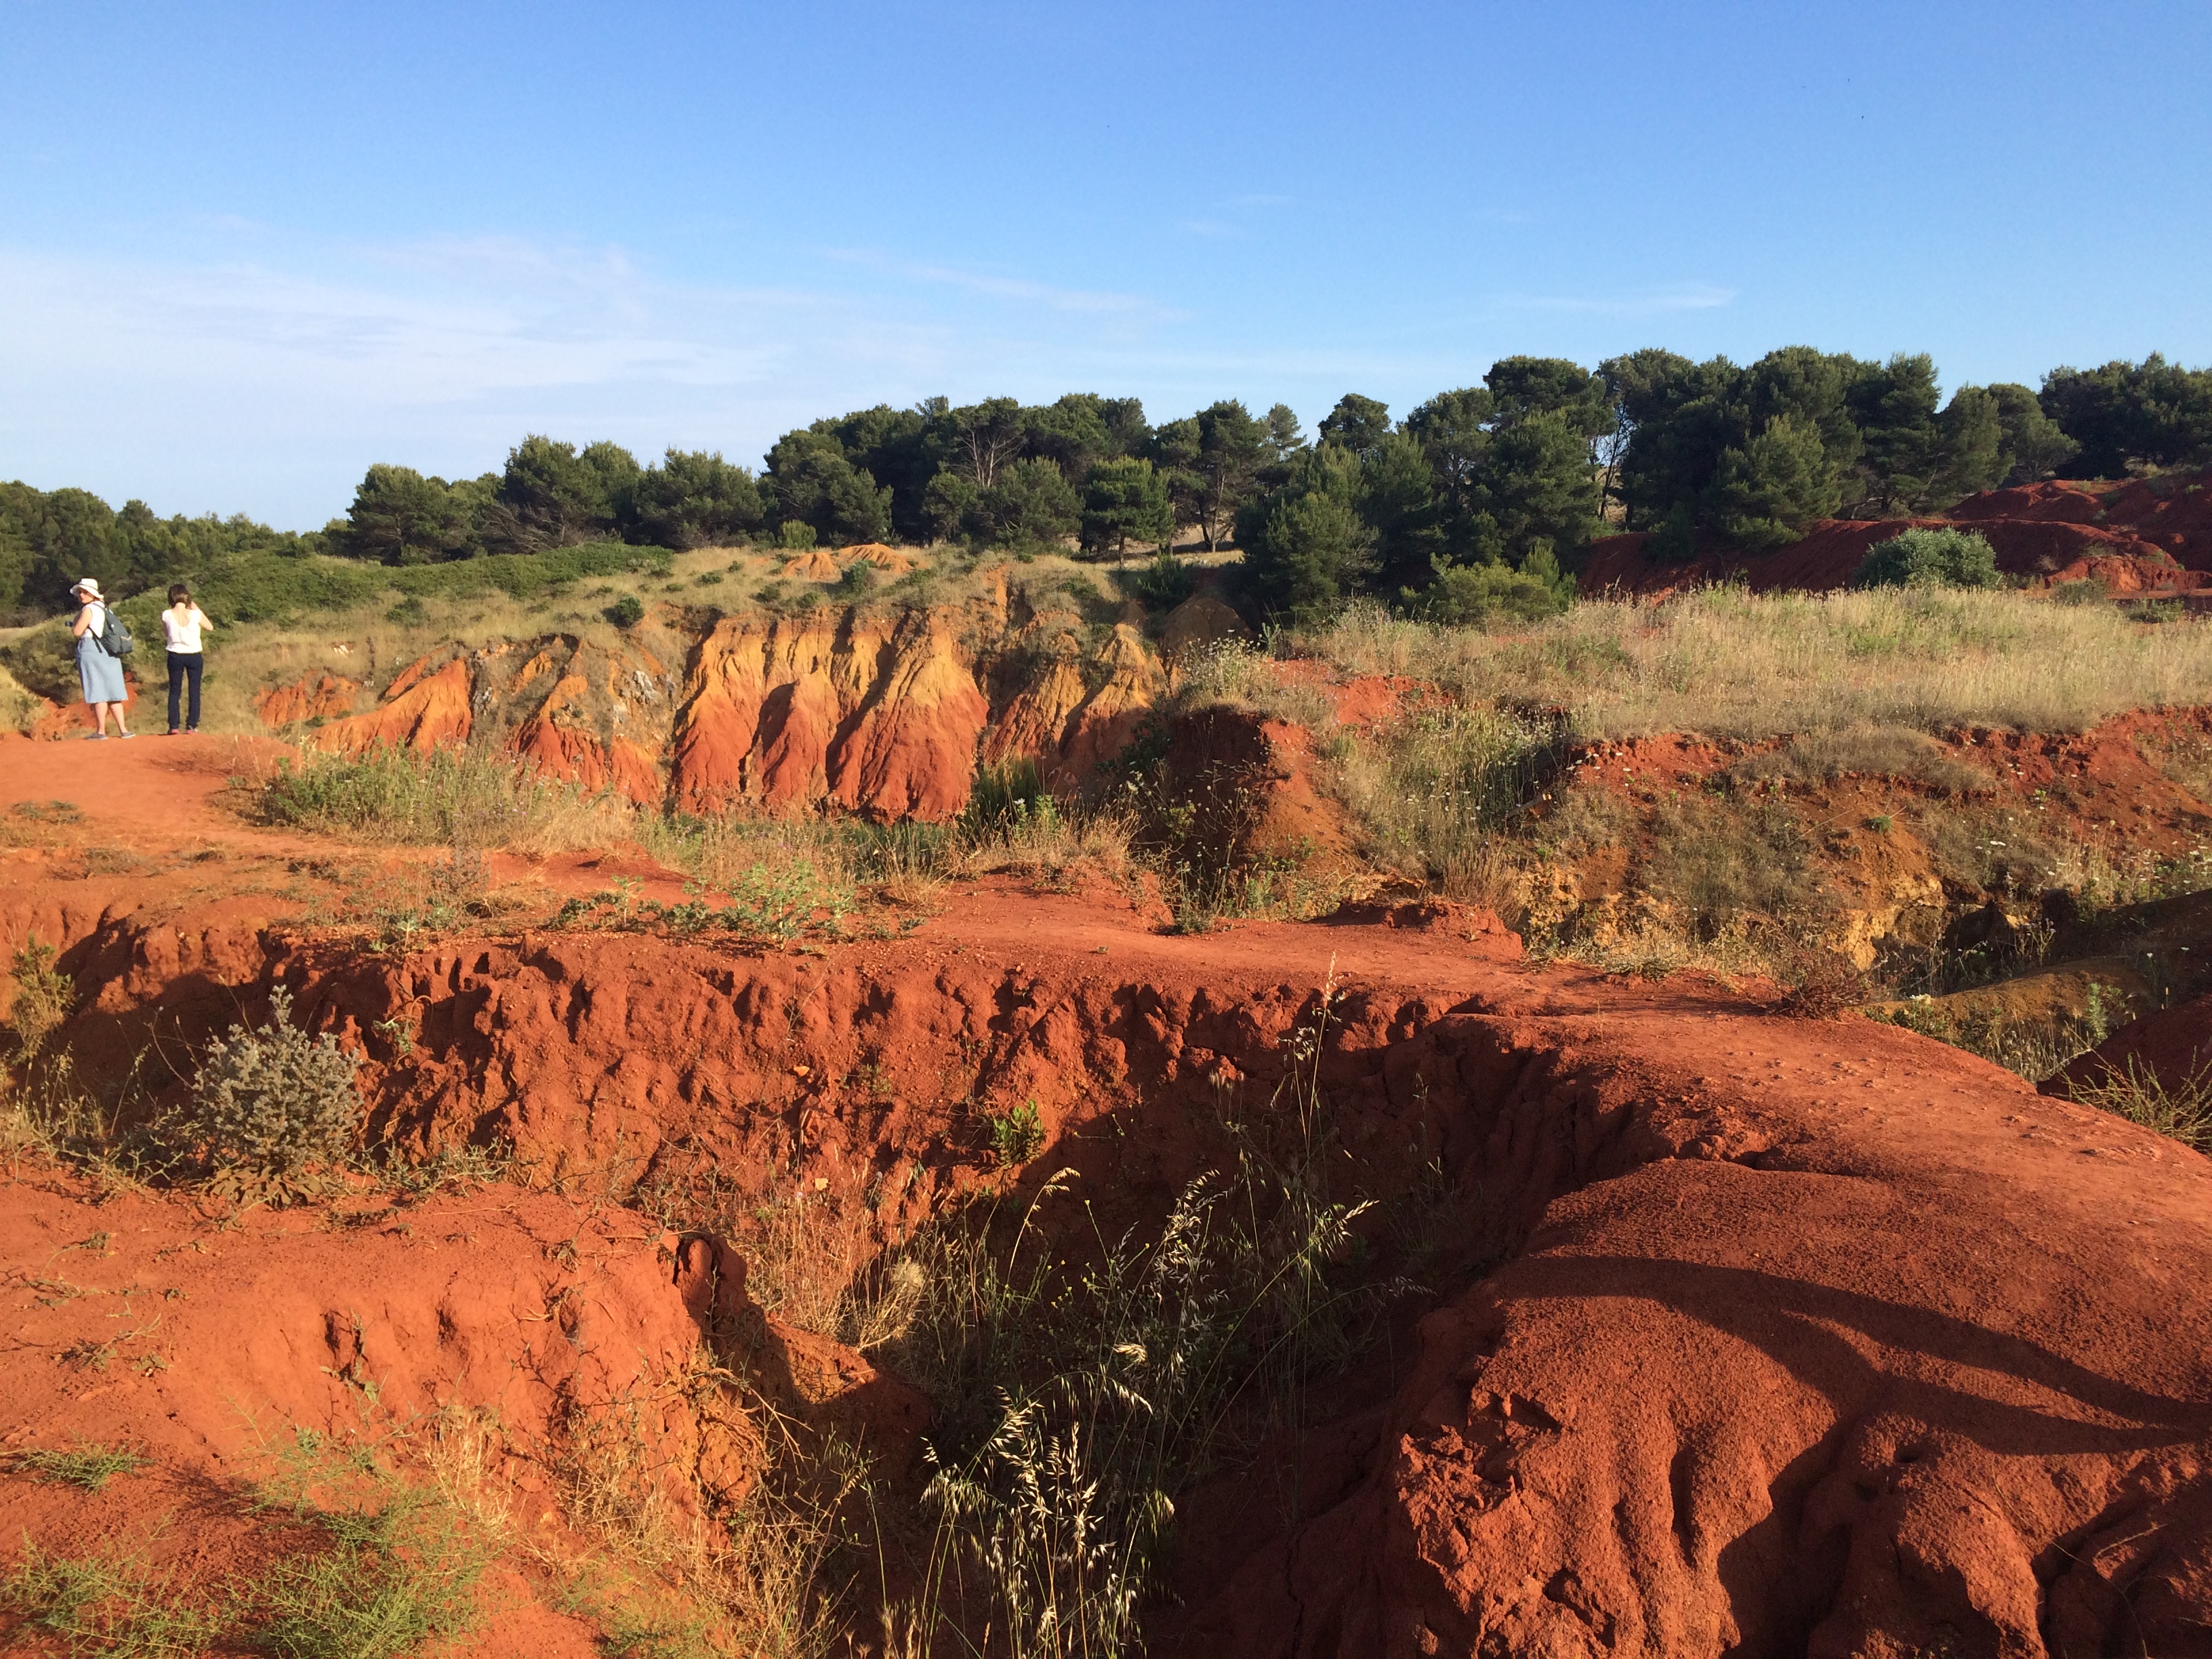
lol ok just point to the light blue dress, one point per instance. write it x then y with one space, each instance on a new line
101 674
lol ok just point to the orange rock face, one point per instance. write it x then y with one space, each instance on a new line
427 708
581 713
886 715
318 697
795 712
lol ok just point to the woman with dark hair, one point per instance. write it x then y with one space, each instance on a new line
98 670
182 623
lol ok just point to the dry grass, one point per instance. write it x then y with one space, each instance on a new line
18 708
1431 791
1726 663
1233 674
721 853
2182 1109
465 798
2186 757
660 1581
1879 752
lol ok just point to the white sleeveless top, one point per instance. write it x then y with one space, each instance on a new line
184 637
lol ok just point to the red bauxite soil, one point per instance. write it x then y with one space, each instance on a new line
1809 1337
2153 536
2172 1048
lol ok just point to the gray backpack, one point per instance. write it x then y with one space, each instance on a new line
114 638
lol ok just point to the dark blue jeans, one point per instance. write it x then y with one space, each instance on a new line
185 665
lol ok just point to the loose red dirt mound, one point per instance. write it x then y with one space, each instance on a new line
2172 512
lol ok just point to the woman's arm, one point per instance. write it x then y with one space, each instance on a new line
83 621
203 615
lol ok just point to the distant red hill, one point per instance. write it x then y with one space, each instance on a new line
2143 536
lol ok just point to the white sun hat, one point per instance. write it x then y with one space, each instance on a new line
88 586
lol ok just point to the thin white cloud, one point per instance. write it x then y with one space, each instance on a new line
268 381
265 378
446 331
1642 302
1021 290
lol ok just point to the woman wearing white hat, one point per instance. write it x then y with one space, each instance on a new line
98 670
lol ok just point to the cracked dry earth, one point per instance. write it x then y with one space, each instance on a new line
1802 1337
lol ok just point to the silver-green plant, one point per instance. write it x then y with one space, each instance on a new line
272 1102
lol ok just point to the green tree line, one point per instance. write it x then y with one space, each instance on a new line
1478 499
50 539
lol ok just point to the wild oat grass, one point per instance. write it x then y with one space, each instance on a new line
1883 751
1727 662
661 1581
2034 1049
726 854
41 997
1230 673
2181 1108
465 798
1083 1385
1433 789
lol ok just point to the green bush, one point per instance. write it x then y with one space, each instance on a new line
1009 793
1017 1133
271 1101
264 586
1164 583
626 612
1930 558
1478 595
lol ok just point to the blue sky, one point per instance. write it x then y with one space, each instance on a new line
246 249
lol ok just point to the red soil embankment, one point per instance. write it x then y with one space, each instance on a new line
1820 1332
2146 537
2174 512
1828 554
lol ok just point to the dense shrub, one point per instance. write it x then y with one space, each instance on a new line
271 586
270 1101
1479 595
43 997
1930 558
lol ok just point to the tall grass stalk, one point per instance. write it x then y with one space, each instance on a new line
1726 662
1082 1392
2181 1108
1434 788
